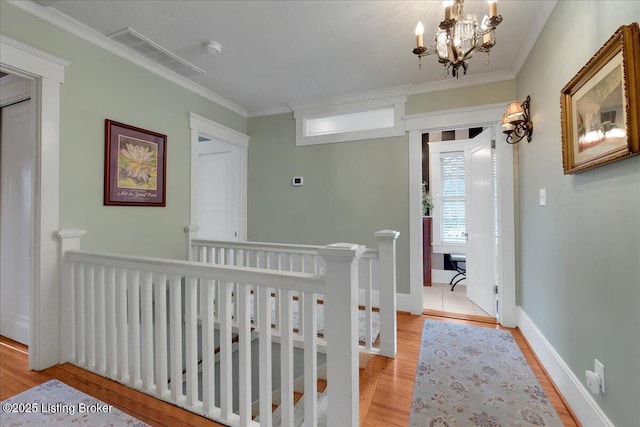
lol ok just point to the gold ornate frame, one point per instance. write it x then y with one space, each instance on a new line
585 140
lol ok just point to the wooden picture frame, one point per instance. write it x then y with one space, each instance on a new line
599 106
135 164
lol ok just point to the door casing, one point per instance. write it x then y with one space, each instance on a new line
485 116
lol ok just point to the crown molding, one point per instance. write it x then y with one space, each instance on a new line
545 9
354 98
272 111
64 22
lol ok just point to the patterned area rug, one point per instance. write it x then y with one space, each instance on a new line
56 404
475 376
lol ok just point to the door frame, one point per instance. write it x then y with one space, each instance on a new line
487 116
47 74
208 128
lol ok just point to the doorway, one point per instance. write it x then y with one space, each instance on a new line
488 116
218 190
460 178
16 205
219 161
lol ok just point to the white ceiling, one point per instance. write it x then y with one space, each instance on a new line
275 53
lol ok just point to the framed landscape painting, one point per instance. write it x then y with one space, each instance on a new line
600 105
135 166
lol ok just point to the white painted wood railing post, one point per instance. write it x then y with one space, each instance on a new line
69 240
190 233
341 332
387 273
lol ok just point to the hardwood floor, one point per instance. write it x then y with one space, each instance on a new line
386 385
391 401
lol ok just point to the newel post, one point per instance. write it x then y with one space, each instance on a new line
69 240
341 332
190 234
387 264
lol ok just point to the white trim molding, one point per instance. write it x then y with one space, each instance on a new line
571 388
92 36
202 126
47 73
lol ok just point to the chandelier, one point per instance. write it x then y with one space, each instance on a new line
459 35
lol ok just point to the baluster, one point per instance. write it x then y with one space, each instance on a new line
160 294
264 348
244 353
121 325
78 282
209 255
226 380
366 285
134 326
110 323
146 294
310 360
286 357
89 318
175 304
191 349
208 347
101 336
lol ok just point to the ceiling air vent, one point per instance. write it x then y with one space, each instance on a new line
150 50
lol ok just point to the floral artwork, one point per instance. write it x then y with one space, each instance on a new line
137 162
135 166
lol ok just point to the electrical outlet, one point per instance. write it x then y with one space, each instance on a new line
598 367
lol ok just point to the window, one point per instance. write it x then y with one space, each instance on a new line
452 217
448 190
350 119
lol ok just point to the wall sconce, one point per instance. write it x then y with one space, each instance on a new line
516 122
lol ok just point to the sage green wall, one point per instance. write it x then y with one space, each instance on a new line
99 85
579 270
463 97
351 190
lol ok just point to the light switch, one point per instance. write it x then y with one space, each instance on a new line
543 197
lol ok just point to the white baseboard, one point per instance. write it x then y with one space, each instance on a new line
15 326
406 302
574 392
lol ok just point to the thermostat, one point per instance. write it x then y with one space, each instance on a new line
297 181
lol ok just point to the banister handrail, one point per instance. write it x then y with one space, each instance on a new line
370 253
258 276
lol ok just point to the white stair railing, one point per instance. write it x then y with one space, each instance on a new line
376 277
125 318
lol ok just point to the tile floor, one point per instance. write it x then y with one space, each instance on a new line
438 296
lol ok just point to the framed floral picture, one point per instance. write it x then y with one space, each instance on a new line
135 164
600 111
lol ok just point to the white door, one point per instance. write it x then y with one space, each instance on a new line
16 175
480 225
219 190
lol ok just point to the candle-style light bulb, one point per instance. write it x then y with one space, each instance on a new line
448 5
493 8
419 34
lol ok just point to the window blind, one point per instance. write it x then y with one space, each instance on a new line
453 219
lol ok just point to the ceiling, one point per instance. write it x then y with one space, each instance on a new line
278 53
